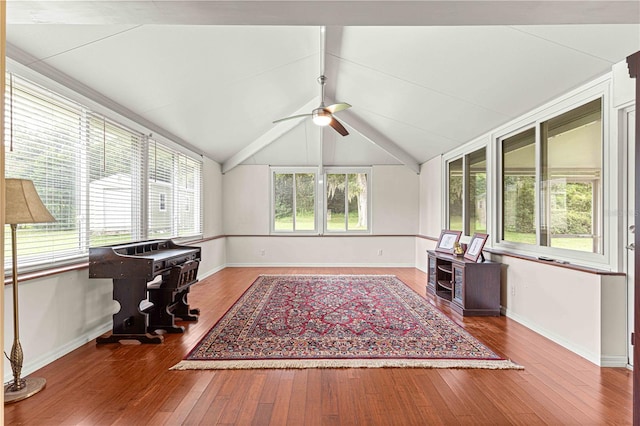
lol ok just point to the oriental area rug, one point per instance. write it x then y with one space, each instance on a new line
337 321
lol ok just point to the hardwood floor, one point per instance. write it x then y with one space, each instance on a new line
131 384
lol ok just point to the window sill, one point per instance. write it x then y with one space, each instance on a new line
46 272
559 264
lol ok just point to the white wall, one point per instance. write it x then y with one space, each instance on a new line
246 200
581 311
395 209
212 198
431 198
58 314
321 251
395 200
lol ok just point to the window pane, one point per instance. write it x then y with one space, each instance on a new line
160 206
44 130
477 184
188 217
347 202
115 182
305 202
571 184
518 188
283 201
336 196
455 195
357 202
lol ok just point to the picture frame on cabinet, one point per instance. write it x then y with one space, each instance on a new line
448 240
475 246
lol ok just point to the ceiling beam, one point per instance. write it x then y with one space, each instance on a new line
270 135
322 12
375 137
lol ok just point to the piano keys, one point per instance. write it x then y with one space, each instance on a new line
151 281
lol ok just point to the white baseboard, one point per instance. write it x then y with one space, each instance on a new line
29 366
321 265
588 355
203 275
614 361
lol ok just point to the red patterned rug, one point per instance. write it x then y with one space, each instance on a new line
329 321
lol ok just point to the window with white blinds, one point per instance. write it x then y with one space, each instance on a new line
175 183
103 182
115 172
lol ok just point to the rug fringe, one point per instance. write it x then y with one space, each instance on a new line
347 363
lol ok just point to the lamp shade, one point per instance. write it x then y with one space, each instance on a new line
23 204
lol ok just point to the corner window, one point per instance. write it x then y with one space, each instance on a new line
294 200
347 201
467 193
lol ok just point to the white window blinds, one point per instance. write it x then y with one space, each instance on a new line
175 183
114 156
103 182
44 132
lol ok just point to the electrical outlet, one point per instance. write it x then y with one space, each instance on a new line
262 252
513 290
379 252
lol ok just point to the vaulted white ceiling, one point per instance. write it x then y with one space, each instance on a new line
423 77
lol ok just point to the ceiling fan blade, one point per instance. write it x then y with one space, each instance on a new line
338 127
292 117
337 107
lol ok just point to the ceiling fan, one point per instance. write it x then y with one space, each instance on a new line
323 115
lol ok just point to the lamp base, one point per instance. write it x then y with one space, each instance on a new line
32 386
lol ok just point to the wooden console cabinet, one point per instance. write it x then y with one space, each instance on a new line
471 288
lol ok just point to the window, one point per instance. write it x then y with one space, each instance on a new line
114 158
568 196
294 200
174 186
467 193
295 205
91 173
518 188
455 194
162 204
347 201
43 144
570 181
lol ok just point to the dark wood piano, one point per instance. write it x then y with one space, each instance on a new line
151 281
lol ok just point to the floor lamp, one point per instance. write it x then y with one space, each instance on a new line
22 205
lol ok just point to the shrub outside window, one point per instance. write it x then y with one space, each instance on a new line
467 190
294 200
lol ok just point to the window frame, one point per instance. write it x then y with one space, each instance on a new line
465 156
599 90
348 170
272 216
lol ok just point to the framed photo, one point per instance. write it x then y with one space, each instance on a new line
447 240
474 249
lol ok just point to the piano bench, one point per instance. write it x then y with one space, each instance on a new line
169 298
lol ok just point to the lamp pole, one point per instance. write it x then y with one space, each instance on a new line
16 350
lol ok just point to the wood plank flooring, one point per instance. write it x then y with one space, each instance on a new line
118 384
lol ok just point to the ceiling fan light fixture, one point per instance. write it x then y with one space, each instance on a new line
321 117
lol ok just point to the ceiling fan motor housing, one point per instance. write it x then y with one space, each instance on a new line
321 117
